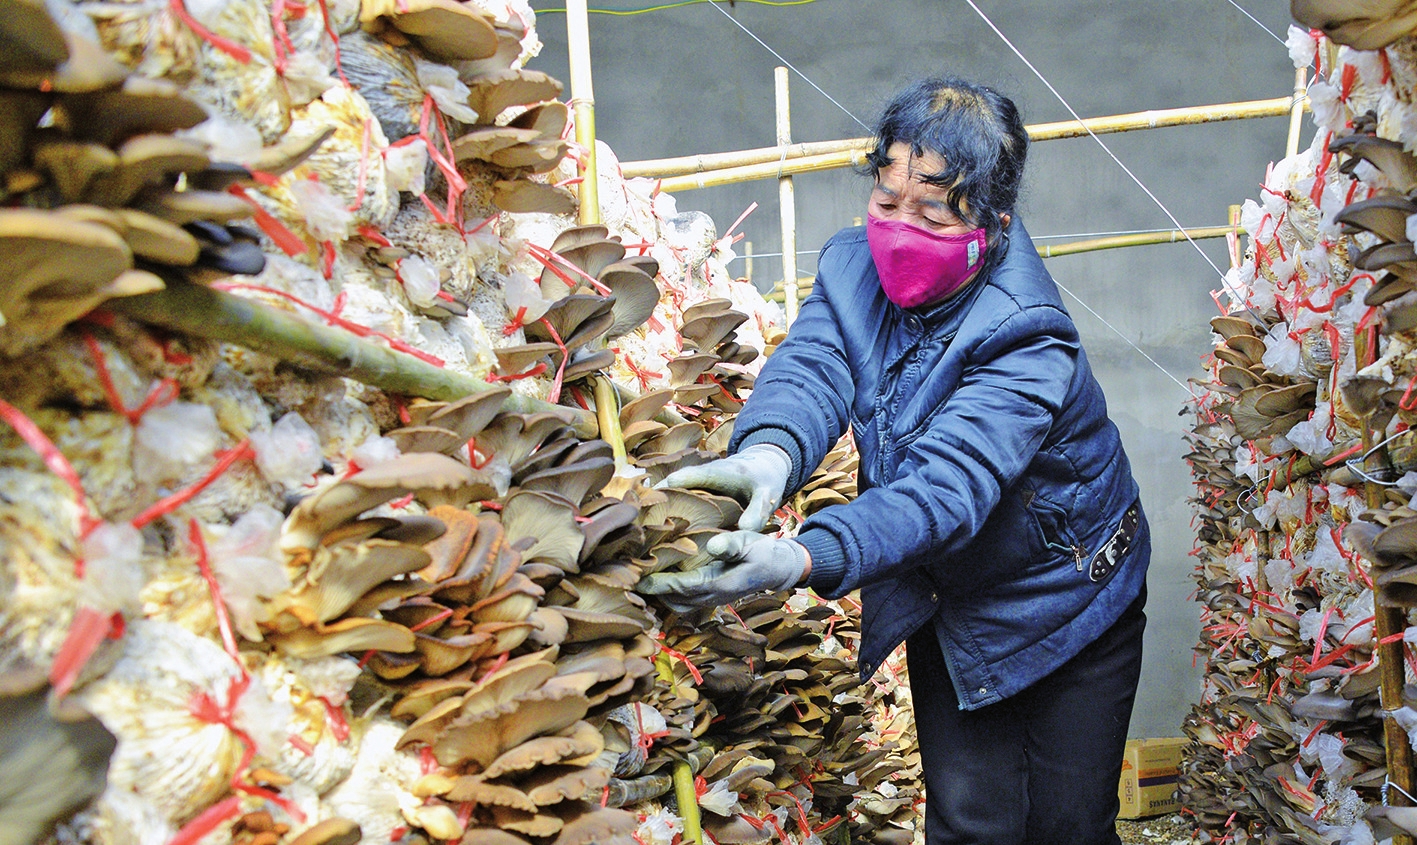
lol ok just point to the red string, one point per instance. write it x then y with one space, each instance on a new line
238 52
334 38
363 166
57 463
693 670
554 395
210 819
335 319
289 242
531 373
518 322
171 503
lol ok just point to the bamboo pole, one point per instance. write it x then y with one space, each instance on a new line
787 200
748 261
583 103
771 170
1088 245
1389 622
839 153
1296 112
217 315
688 801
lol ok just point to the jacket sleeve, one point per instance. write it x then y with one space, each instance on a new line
951 478
801 399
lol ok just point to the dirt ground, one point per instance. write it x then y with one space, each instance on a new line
1174 829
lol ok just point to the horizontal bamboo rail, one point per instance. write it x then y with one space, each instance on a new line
713 169
804 286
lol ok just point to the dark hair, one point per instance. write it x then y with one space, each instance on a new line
975 129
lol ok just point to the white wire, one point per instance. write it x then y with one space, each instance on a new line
1128 340
1224 281
1257 22
1100 142
791 67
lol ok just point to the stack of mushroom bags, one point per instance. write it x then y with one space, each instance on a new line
241 600
1314 348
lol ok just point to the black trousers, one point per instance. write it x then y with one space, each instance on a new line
1039 768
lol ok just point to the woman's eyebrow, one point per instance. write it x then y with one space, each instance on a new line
880 186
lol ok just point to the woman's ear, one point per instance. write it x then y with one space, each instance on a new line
1006 218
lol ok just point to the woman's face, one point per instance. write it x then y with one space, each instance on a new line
900 194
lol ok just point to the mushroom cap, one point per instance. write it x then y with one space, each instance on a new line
572 482
523 196
87 67
320 512
551 521
600 826
537 156
554 784
548 119
30 40
140 106
491 836
444 29
427 438
482 142
355 635
144 160
484 736
645 407
477 789
576 319
578 741
155 239
336 831
494 93
73 165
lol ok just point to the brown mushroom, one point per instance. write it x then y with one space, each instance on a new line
494 93
444 29
523 196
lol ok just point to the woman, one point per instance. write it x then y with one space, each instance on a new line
998 529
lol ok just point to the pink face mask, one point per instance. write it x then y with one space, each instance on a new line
917 266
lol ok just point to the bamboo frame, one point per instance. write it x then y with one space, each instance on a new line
1087 245
714 169
1296 113
583 103
787 200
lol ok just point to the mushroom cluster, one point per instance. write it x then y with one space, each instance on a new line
313 608
103 199
1301 454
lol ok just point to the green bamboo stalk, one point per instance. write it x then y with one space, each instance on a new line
688 801
217 315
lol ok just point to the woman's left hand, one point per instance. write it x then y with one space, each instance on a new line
744 563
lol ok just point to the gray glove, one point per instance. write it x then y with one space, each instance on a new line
757 474
745 563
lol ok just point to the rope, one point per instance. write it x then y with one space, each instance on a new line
792 67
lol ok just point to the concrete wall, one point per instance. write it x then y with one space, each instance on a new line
687 80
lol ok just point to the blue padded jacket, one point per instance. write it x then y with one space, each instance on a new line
993 487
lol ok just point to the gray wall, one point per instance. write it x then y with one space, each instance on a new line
687 80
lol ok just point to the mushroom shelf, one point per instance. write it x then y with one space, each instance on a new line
329 457
1304 463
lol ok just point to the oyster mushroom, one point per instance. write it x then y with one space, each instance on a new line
320 512
444 29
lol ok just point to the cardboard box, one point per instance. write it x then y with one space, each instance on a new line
1150 768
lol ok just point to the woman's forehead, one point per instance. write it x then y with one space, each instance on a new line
907 164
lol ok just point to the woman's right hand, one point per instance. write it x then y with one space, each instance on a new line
758 474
